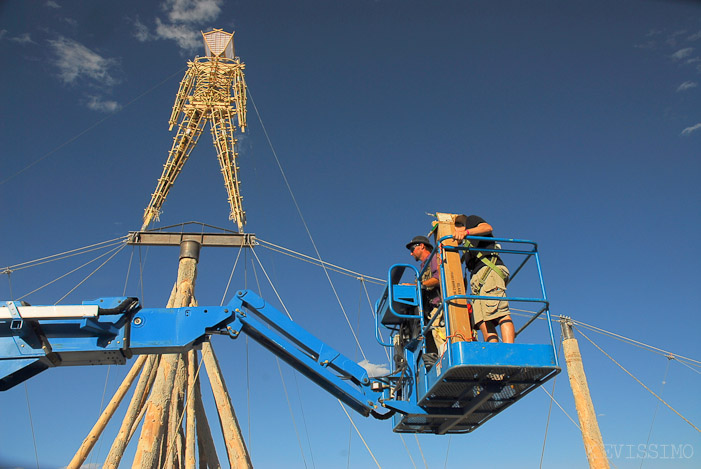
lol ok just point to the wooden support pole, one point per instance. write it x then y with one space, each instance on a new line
140 417
155 421
593 442
205 443
144 398
109 411
235 446
151 441
175 416
137 401
203 458
190 437
458 312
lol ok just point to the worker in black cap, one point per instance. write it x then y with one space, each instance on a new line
420 248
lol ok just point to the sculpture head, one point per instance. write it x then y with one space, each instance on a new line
218 43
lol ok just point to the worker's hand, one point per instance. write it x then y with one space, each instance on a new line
459 233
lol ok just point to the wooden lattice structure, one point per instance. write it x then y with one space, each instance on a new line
213 90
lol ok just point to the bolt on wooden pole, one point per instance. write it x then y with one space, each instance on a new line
593 442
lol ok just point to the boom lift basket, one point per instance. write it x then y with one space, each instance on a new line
471 381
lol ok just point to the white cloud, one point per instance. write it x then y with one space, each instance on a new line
74 60
672 38
52 4
694 37
691 129
70 22
187 38
376 370
687 85
96 103
683 53
22 39
181 22
141 32
192 11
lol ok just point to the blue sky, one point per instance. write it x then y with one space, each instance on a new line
575 124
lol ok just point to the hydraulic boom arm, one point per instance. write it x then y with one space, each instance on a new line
110 330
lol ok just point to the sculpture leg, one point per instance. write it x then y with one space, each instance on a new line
189 131
224 142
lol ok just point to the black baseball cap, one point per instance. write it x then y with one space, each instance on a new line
419 240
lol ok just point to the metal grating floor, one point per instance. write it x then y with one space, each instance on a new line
466 396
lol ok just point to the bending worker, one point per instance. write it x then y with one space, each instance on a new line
488 277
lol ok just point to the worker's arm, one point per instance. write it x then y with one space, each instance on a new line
482 229
473 225
430 283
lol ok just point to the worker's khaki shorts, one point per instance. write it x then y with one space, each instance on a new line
494 285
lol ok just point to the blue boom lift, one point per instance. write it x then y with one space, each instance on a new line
470 383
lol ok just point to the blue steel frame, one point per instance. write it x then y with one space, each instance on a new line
419 392
398 293
533 252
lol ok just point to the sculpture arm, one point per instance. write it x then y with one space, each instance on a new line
186 85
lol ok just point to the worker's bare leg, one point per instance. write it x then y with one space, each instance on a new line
489 332
508 333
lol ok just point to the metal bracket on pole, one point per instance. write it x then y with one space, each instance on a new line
566 324
190 249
